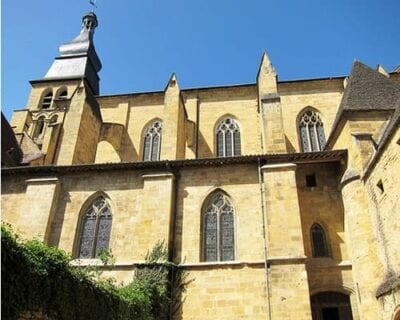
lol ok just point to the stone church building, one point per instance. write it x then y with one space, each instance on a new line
280 198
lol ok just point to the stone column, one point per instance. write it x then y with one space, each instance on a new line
362 246
287 275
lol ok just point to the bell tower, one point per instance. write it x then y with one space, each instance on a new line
62 120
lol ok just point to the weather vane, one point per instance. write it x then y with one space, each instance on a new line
93 3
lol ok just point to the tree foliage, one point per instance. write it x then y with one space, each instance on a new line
37 278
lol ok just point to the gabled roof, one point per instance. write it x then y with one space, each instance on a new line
367 89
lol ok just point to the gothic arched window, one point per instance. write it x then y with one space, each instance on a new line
311 129
318 241
95 229
228 138
46 102
218 229
152 142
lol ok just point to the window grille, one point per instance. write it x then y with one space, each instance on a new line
319 243
46 103
96 228
218 230
228 138
152 142
312 134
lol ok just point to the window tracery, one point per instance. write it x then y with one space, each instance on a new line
218 230
152 142
311 129
96 228
228 138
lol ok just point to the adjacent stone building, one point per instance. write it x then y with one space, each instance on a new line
280 198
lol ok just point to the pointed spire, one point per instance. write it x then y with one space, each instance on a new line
79 57
266 77
172 82
266 65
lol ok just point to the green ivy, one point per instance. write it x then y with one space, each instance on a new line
38 278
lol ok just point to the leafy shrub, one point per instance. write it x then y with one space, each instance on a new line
37 278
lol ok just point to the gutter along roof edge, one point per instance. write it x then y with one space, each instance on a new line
324 156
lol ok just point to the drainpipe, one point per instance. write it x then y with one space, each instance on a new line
171 252
266 274
197 126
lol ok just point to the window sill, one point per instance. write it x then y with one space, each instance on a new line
221 264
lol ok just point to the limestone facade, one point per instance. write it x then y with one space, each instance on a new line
310 235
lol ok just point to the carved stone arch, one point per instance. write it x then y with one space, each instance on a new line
41 114
224 116
315 289
306 108
100 201
213 190
218 227
237 138
60 93
146 127
310 140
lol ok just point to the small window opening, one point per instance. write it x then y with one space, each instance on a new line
311 180
47 100
380 186
63 95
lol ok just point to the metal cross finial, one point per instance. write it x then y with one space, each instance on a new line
93 3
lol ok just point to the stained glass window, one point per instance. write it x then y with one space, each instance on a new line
311 129
96 229
318 241
228 138
152 142
218 224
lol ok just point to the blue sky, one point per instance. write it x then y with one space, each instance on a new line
207 42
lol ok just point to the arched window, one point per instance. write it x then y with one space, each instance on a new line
218 229
95 229
39 129
318 241
152 142
46 102
228 138
311 129
331 305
